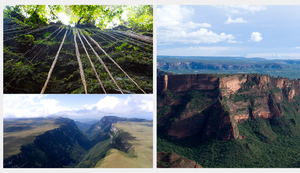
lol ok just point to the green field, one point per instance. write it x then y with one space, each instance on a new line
140 135
22 132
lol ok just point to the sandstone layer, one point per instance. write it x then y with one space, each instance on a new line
210 106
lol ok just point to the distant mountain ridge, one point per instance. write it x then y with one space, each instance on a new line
232 65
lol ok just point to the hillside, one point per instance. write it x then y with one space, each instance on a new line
58 142
229 120
22 131
133 148
63 146
232 65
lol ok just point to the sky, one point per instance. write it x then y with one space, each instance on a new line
271 32
78 106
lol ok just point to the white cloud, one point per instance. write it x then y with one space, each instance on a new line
174 14
132 104
174 25
30 105
200 36
256 37
234 11
237 20
297 47
21 105
242 8
177 18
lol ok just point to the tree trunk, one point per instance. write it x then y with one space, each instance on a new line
79 21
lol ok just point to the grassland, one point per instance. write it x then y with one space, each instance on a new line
140 135
25 132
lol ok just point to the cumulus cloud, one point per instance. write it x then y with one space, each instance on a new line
132 104
175 17
174 25
242 8
40 106
200 36
237 20
30 105
256 37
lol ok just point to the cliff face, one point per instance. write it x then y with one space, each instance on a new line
103 125
181 83
60 147
212 106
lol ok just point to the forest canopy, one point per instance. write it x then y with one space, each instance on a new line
101 16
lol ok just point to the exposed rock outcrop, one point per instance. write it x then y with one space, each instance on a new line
222 101
173 160
232 84
181 83
219 124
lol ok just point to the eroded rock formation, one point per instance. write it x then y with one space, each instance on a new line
210 106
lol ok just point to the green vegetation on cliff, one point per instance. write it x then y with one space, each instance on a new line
262 132
42 55
58 142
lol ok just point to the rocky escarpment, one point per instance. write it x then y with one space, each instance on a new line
172 160
211 106
61 147
118 142
181 83
104 125
214 66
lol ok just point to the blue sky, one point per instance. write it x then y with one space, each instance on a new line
271 32
78 106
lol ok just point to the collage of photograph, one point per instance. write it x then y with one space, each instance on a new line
151 86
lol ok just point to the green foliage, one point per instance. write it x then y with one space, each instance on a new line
244 97
141 17
249 84
35 14
136 48
46 34
31 75
269 147
120 47
241 109
275 90
265 144
55 148
95 154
